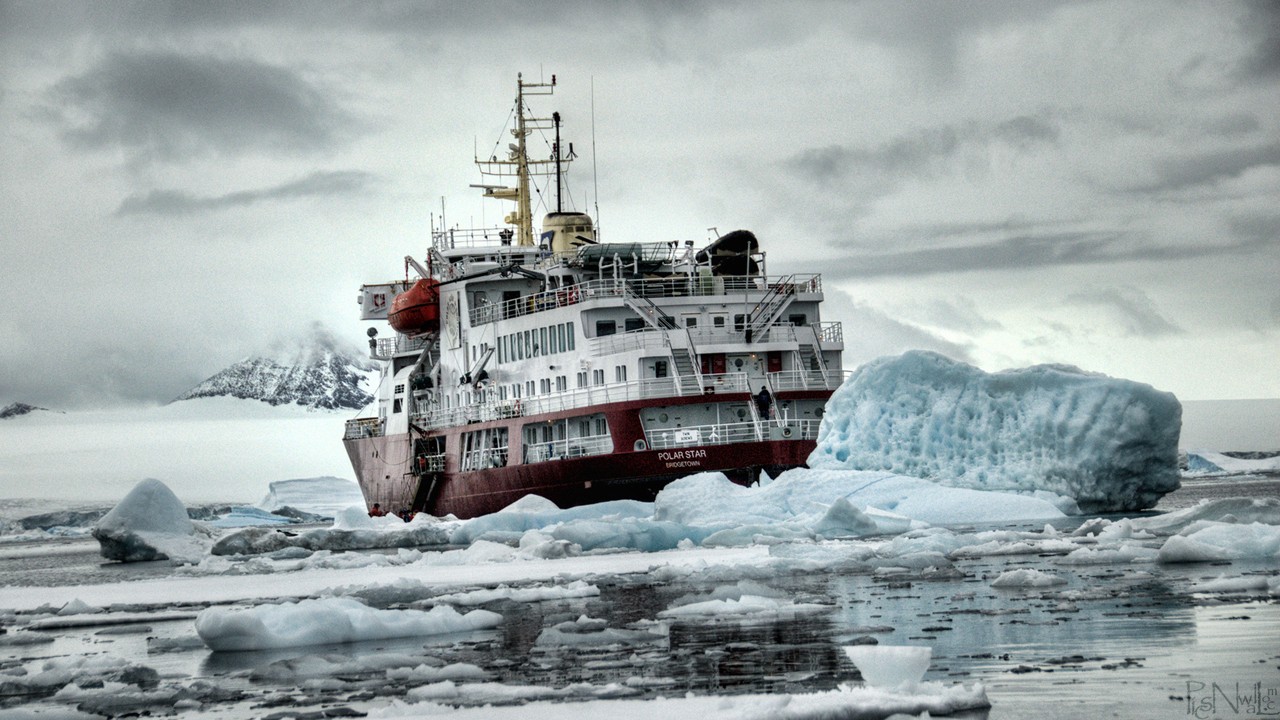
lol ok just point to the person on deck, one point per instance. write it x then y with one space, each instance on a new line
764 401
377 511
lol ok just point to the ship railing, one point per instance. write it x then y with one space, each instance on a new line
389 346
829 332
429 463
806 429
363 428
623 342
787 380
713 434
568 449
713 383
484 458
491 409
682 286
453 238
801 380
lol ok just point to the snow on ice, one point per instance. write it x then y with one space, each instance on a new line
1109 444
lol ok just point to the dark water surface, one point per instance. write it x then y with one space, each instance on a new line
1124 641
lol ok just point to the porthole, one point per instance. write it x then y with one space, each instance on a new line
741 413
662 417
640 445
819 411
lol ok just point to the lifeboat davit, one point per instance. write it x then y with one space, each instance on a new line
416 310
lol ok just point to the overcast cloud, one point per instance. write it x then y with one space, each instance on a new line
190 183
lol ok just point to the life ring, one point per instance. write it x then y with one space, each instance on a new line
786 432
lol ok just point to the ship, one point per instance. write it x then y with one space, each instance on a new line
561 365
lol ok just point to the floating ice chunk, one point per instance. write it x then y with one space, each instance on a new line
933 698
324 496
531 504
574 590
1110 444
844 520
1238 584
806 496
426 674
241 516
746 605
329 620
891 667
1126 552
1239 509
79 607
1223 541
1203 462
1027 578
150 523
520 517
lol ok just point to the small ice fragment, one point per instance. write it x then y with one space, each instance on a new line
890 667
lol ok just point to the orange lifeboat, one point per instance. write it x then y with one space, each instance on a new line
417 310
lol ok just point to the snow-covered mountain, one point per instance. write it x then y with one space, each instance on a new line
13 410
319 372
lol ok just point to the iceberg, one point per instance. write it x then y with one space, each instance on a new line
324 496
1110 444
150 523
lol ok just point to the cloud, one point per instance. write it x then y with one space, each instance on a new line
919 152
870 333
166 105
175 202
1029 250
1132 307
961 315
1262 25
1207 168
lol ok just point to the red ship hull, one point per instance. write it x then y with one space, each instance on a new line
385 469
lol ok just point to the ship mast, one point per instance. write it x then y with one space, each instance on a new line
518 163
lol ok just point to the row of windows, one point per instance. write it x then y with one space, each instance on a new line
527 344
610 327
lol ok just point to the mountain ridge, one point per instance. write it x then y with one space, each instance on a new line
320 373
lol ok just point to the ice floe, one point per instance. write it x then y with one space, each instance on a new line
150 523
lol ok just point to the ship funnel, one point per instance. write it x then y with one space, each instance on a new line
568 231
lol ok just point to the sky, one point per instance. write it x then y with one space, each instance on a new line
1095 184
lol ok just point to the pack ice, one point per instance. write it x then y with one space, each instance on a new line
1110 444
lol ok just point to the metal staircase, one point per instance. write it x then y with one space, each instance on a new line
648 310
688 376
812 370
770 307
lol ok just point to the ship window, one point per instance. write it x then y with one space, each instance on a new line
570 334
528 388
560 332
717 321
633 324
797 320
397 407
602 425
606 327
691 321
597 377
739 322
400 389
528 345
620 373
660 368
542 337
562 383
582 379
